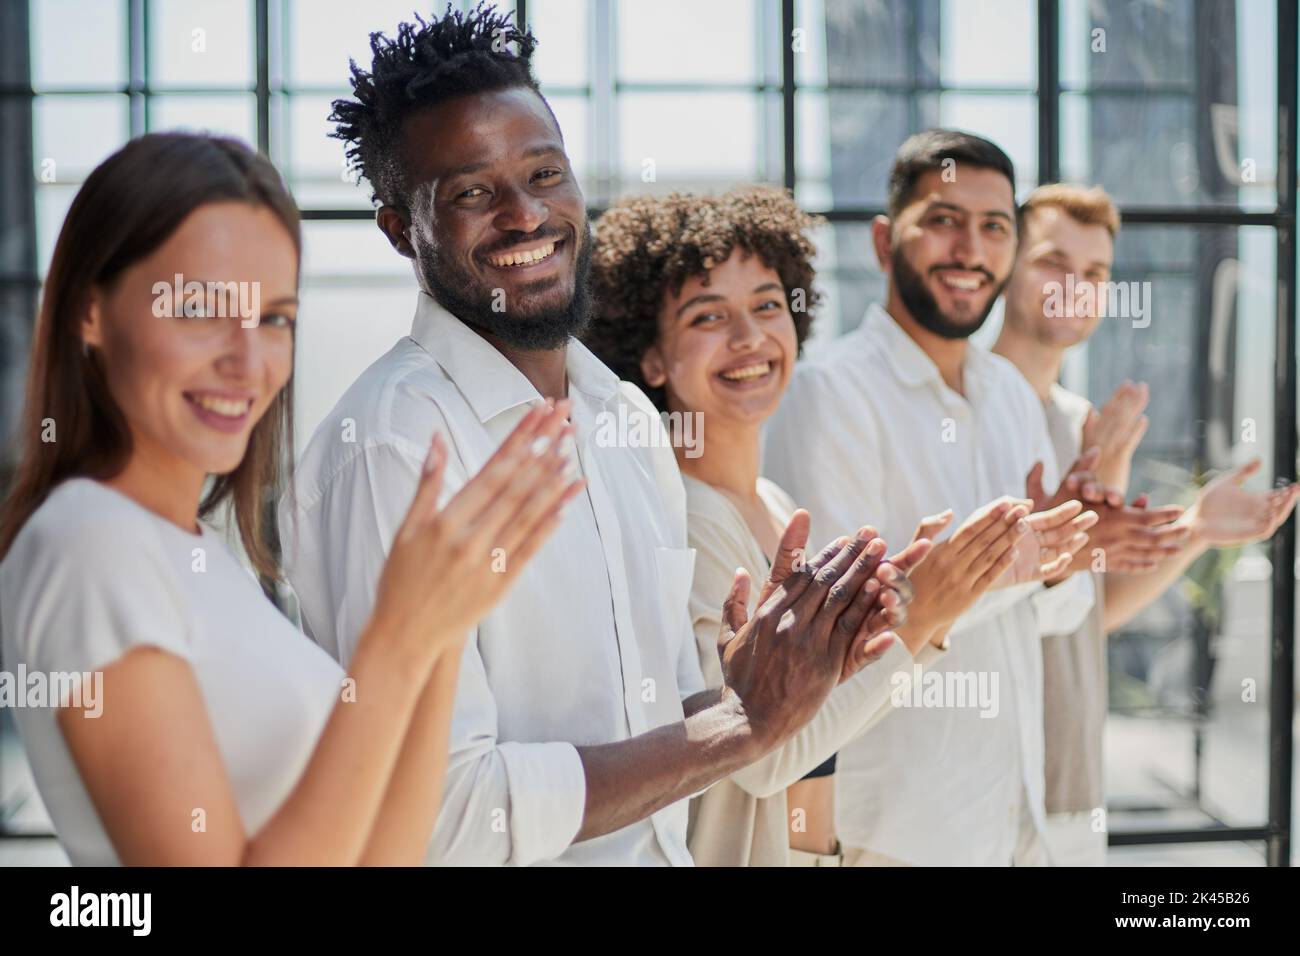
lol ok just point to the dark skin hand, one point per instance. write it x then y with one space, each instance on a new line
817 624
892 579
897 592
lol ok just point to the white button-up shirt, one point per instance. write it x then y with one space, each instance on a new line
870 434
593 642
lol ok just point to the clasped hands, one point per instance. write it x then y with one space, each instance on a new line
1014 541
819 622
816 624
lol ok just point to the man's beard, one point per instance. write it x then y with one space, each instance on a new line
465 297
920 302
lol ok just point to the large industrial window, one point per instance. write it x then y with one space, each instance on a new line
1183 109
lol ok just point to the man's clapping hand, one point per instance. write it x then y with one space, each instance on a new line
817 622
1116 430
1079 484
1226 514
963 567
1132 539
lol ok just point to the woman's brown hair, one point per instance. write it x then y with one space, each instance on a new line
127 208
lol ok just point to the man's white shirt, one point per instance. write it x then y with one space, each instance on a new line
593 642
870 434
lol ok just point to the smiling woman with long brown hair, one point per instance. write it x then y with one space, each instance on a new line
220 734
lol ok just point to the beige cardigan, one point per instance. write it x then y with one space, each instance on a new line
742 820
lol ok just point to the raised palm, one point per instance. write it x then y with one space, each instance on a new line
1227 514
1117 429
1054 538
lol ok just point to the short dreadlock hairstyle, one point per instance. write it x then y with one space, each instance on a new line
458 55
647 247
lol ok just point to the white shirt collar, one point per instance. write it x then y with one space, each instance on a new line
489 381
910 362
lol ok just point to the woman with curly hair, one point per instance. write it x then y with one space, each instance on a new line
704 302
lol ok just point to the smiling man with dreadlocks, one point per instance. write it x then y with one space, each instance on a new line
581 719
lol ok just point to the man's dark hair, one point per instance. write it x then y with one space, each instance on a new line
927 150
457 55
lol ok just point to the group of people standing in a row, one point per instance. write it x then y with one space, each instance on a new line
861 619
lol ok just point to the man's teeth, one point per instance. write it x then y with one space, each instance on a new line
966 283
527 257
747 372
229 407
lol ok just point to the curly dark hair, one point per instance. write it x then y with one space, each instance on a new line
647 247
457 55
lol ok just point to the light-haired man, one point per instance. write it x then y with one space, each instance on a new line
1065 256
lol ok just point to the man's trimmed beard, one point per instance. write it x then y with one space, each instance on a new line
465 297
922 306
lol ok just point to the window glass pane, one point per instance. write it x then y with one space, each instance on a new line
78 43
1144 44
1156 150
809 43
358 298
229 115
1186 116
846 139
813 149
311 149
351 251
319 46
52 204
560 27
1076 43
197 43
989 44
74 133
1252 121
17 245
846 143
848 279
845 41
327 193
343 328
685 41
696 140
571 113
1008 120
312 160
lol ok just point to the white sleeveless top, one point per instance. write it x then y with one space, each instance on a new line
93 574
